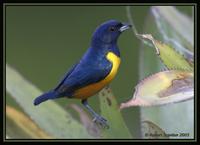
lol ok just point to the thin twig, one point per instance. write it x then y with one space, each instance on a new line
128 12
139 36
141 50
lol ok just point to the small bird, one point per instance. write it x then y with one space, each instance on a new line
94 71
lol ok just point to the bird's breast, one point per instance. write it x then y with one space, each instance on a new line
115 60
92 89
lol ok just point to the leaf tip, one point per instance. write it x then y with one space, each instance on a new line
134 102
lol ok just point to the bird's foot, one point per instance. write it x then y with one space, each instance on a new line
101 121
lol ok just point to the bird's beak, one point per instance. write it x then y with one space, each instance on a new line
125 27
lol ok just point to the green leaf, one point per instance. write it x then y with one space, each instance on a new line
162 88
49 116
172 118
13 131
18 125
175 27
169 56
110 110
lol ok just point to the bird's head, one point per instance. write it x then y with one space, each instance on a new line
109 31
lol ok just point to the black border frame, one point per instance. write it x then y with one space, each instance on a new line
97 4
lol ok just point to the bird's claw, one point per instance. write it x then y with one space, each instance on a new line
101 121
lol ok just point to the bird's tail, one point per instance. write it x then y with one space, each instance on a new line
45 97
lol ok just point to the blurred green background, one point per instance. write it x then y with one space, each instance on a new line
43 42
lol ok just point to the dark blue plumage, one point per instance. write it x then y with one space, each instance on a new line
46 96
93 67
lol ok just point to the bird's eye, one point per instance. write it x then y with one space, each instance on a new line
112 29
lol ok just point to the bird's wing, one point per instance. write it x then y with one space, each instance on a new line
81 76
66 76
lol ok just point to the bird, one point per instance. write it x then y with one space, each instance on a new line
95 70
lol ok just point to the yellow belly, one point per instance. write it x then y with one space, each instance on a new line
92 89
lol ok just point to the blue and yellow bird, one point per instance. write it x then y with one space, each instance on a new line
94 71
